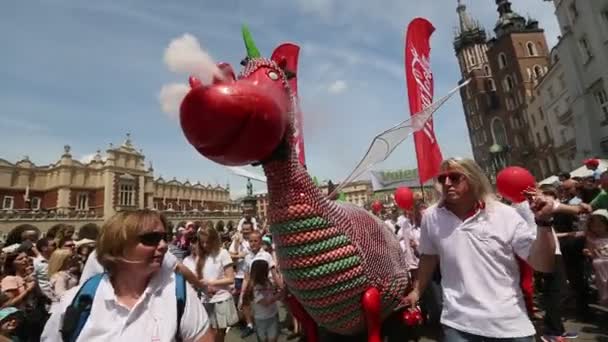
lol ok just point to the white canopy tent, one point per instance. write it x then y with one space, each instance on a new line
580 172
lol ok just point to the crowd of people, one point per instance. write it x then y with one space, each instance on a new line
472 256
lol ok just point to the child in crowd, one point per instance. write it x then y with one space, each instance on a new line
597 250
261 294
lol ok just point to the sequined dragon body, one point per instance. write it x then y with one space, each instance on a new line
330 253
343 266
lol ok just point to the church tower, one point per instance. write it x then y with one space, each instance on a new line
504 71
519 58
478 97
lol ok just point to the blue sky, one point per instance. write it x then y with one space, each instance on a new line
85 72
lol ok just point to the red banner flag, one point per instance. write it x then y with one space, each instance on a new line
289 53
420 94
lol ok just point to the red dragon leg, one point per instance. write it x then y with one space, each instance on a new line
308 324
371 306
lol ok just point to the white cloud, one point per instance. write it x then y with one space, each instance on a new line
337 87
87 158
322 8
171 96
185 55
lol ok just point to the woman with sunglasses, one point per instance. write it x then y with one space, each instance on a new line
214 267
136 297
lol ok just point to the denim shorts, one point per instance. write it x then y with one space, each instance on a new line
267 328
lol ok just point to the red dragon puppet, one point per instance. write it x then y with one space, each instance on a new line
343 268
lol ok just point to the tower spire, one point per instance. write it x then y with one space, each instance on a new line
465 22
504 7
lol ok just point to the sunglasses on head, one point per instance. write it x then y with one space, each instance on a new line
152 239
454 177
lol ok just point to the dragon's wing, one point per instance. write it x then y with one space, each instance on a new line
385 143
239 171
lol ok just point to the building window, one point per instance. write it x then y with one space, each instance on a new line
155 205
573 12
8 202
169 206
602 101
82 202
509 103
487 70
541 114
585 49
508 83
531 49
491 85
538 141
538 71
126 195
35 203
546 131
605 17
499 132
502 60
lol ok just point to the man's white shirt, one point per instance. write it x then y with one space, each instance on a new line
480 274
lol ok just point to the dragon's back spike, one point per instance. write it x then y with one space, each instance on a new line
252 50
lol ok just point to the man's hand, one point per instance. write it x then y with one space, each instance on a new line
585 208
411 300
542 207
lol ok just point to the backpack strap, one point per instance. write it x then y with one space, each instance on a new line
180 295
78 312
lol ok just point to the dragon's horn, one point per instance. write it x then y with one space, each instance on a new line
252 50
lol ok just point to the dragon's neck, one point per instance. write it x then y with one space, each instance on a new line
289 187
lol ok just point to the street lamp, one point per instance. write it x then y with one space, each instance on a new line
499 156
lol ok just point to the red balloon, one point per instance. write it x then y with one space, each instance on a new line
512 181
404 197
377 206
412 317
236 122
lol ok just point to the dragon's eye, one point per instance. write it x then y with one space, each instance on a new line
273 75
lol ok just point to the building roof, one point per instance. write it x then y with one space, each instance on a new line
390 180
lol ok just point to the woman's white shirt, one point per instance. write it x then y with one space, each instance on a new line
213 270
153 318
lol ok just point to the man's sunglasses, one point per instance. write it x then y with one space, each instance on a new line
454 177
152 239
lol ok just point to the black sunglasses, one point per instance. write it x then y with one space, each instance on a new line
152 239
454 177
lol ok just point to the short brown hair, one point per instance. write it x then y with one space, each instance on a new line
121 231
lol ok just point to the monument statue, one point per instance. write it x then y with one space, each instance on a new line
249 187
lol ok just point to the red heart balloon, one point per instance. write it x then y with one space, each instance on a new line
377 206
512 181
404 197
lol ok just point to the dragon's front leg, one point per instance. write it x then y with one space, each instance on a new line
308 324
371 303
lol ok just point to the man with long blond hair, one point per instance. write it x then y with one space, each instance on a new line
475 240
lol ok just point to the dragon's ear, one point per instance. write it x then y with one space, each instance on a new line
282 62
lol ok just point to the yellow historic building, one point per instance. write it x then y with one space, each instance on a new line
84 194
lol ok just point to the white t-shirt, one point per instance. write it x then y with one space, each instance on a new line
213 270
93 267
261 311
253 222
153 318
390 225
405 225
241 266
260 255
479 271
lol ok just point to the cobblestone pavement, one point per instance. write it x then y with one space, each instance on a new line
596 329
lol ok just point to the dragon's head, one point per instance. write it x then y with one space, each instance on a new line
240 120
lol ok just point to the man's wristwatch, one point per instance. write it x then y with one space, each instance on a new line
544 223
